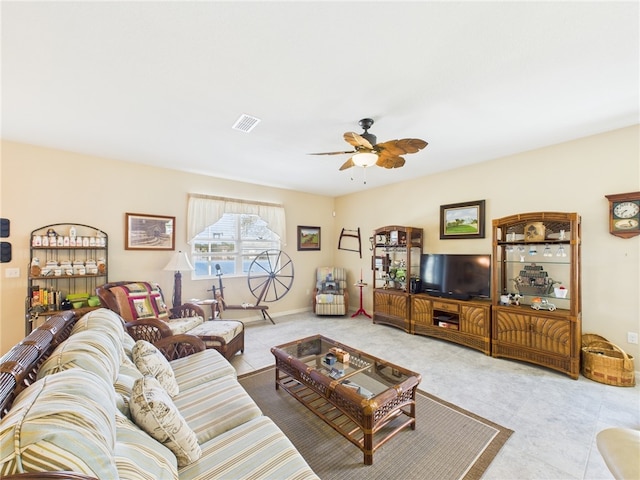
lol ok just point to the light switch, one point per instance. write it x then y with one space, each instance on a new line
12 273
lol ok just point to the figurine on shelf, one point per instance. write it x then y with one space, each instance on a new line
510 299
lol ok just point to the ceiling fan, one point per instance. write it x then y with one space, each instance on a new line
367 152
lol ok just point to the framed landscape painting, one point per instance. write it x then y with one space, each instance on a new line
149 232
462 220
308 238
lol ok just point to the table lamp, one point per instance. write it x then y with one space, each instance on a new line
178 263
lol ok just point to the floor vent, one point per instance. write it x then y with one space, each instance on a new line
245 123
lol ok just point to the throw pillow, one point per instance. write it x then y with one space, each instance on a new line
150 361
154 412
330 287
140 300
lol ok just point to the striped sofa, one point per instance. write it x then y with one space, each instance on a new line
84 397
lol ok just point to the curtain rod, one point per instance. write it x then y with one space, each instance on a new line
235 200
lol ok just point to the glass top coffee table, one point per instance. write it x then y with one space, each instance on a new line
366 399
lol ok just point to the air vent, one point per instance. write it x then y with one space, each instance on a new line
245 123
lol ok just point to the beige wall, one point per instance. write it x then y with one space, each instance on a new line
569 177
44 186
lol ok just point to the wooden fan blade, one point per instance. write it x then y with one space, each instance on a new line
399 147
348 164
332 153
390 162
389 149
357 141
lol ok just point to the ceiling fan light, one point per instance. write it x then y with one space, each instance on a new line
365 159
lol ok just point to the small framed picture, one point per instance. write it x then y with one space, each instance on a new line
149 232
308 238
462 220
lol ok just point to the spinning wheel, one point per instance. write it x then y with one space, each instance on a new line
270 275
270 278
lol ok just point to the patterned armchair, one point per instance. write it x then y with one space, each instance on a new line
330 296
147 317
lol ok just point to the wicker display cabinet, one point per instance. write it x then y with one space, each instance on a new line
536 256
396 258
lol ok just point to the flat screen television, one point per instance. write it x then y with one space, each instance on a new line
459 276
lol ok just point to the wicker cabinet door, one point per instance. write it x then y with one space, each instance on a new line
398 306
421 311
390 304
475 320
551 335
511 328
391 308
381 303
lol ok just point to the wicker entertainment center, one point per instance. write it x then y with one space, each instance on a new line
535 255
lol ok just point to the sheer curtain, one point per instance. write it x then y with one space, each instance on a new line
205 210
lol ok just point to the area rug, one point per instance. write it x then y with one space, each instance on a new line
448 443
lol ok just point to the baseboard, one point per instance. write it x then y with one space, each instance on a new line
258 316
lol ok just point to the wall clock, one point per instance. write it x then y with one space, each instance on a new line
624 214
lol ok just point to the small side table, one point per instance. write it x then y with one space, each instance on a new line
215 313
361 310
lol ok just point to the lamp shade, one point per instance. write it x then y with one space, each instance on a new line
365 159
179 263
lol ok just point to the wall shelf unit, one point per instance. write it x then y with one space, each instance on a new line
65 259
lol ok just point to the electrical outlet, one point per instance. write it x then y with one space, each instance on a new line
12 273
632 337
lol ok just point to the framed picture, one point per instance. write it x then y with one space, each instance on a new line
308 238
149 232
462 220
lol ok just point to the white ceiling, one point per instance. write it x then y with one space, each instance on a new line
162 83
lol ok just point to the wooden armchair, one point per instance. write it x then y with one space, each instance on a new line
147 317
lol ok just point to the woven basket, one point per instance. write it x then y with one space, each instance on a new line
605 362
589 338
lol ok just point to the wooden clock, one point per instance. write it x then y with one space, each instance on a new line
624 214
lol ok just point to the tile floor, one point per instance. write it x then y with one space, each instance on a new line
555 418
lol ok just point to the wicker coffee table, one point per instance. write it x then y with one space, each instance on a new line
366 399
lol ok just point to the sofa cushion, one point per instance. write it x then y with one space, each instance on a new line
124 386
227 406
325 298
128 343
256 449
154 412
64 421
184 325
140 457
150 361
91 350
200 367
227 329
103 319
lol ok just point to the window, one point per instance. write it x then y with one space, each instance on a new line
232 243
